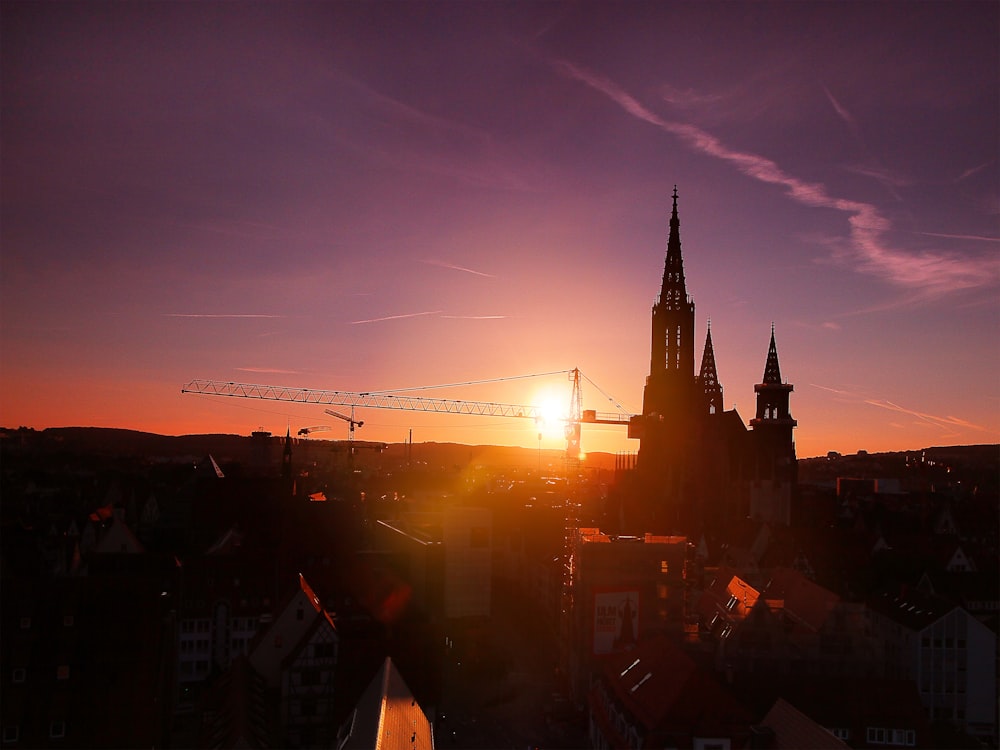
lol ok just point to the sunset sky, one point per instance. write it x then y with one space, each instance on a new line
382 196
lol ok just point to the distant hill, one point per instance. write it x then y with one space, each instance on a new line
114 442
981 462
977 464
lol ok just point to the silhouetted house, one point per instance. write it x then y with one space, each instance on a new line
863 712
623 590
656 696
791 625
297 654
698 465
226 593
387 716
947 652
235 711
74 644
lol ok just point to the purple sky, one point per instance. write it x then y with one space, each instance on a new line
377 196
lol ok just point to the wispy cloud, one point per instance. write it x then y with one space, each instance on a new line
269 370
931 273
453 267
396 317
889 180
973 170
843 114
935 420
219 315
973 237
475 317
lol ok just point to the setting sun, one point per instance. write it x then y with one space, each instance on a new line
554 411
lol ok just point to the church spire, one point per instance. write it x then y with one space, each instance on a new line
772 372
673 293
709 377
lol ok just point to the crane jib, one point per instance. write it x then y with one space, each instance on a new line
390 401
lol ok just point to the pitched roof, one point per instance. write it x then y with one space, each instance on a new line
665 689
387 716
913 609
808 604
794 730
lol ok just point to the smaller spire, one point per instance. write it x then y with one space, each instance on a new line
709 377
772 371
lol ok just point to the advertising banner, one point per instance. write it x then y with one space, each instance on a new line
616 620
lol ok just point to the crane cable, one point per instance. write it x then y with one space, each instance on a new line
468 382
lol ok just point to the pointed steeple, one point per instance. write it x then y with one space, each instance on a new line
772 372
286 456
673 293
709 377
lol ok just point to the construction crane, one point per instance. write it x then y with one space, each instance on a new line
384 400
323 427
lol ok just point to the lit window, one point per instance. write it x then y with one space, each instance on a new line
664 566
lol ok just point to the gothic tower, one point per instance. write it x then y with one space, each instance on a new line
671 402
775 467
708 378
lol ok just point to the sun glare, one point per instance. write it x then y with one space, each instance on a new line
554 412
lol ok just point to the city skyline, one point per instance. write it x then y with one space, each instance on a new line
376 197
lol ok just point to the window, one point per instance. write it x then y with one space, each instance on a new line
664 566
68 621
310 677
19 674
25 623
300 613
10 734
57 729
62 672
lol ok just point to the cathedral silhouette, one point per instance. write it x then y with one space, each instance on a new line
700 466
